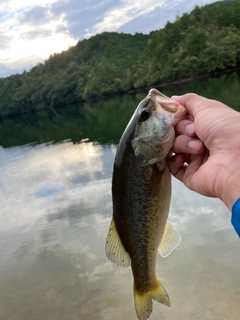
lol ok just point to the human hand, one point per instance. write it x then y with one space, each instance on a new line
207 149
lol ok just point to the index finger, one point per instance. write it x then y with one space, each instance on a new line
195 103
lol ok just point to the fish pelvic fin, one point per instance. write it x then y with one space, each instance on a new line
114 248
143 300
171 239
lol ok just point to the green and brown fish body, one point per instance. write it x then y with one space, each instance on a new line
141 192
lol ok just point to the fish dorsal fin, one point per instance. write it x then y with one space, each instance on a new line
170 240
115 250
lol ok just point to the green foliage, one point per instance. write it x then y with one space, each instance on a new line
93 68
204 41
196 43
104 121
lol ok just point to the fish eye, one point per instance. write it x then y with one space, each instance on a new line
145 114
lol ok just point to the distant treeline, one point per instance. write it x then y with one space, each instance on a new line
205 41
101 121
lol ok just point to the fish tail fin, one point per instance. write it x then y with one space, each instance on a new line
143 300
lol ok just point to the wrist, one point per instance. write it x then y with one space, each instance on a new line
230 188
236 216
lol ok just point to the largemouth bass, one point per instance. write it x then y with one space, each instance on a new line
141 193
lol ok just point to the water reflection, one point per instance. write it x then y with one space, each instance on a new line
103 121
50 222
56 208
54 216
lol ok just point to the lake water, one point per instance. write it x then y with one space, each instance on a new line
55 210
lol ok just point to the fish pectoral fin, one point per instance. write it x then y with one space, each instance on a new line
114 248
170 240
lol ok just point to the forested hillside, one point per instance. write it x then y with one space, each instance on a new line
204 41
98 66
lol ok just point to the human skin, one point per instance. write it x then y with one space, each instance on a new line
207 149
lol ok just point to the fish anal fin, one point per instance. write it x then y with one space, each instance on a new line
143 300
114 248
170 240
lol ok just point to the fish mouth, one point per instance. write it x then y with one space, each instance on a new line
166 107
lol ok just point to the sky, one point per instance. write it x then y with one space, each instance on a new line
31 30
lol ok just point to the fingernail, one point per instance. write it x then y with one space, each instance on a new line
194 145
189 129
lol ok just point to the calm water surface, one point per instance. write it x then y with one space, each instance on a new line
55 195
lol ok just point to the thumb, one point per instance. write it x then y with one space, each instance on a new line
193 102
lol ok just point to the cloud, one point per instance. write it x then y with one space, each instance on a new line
10 66
12 5
126 11
156 18
144 16
30 34
36 16
39 28
41 169
81 16
61 29
5 41
4 3
39 33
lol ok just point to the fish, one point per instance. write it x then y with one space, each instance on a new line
141 194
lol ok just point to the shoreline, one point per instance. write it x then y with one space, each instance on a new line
186 80
131 91
164 84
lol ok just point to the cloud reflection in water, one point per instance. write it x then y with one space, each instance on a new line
55 212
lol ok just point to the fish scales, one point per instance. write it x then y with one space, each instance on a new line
137 193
